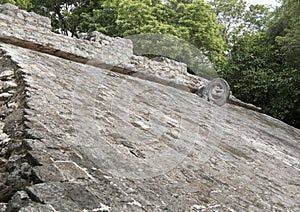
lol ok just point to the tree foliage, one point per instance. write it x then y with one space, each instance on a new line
22 4
263 66
236 17
192 21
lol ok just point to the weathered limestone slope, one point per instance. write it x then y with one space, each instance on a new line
75 137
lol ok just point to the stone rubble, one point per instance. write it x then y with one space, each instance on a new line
76 135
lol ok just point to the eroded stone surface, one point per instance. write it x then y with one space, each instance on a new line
75 137
130 144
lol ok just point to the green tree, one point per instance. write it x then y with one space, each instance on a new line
22 4
203 28
263 65
236 17
193 21
57 10
288 35
287 40
230 15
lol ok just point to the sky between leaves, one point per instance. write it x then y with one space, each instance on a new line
274 3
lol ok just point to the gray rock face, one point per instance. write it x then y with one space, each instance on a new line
83 136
